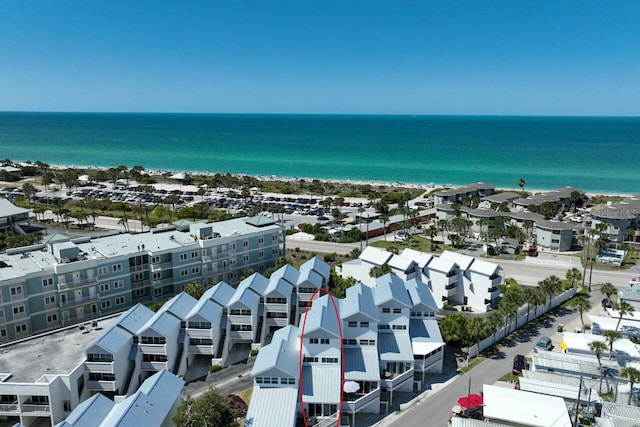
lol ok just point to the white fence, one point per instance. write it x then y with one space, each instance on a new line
519 321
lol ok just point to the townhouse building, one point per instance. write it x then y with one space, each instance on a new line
623 219
390 342
65 281
459 194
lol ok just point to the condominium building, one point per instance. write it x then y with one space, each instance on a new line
65 281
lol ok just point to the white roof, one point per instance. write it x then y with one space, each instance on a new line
442 265
394 347
321 383
375 255
484 267
524 408
400 263
361 364
564 391
463 261
272 407
421 258
9 209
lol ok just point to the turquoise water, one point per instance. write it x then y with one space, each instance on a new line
593 154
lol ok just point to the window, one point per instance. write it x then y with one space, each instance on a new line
154 358
200 325
233 246
52 318
102 271
241 328
50 300
1 313
274 237
329 360
105 304
276 300
276 315
245 244
367 342
99 376
119 300
240 312
245 258
21 328
260 254
47 282
383 326
364 324
3 333
397 310
99 357
194 254
184 272
153 340
313 340
18 310
195 270
155 259
310 360
386 310
118 284
400 327
324 340
138 293
261 240
157 291
157 275
274 251
352 324
16 290
104 287
116 267
555 240
184 257
138 276
200 341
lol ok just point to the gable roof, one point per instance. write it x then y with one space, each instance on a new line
287 273
283 353
421 295
180 305
135 318
280 286
257 282
442 265
113 340
400 263
245 295
317 265
97 407
484 267
421 258
9 209
322 316
391 288
359 300
375 256
220 294
162 323
463 261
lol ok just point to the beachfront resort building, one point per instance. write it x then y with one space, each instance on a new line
12 217
390 343
623 219
65 281
452 278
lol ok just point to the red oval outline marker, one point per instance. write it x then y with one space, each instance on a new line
304 323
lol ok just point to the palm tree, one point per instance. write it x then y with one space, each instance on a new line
535 297
476 329
194 289
551 286
608 289
598 347
624 308
384 219
633 375
521 183
573 275
508 310
581 304
611 336
432 232
494 321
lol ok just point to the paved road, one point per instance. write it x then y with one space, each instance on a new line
436 408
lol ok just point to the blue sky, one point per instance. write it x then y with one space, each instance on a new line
326 56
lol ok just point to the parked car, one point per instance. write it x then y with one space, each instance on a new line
606 303
533 251
239 403
544 344
402 236
519 363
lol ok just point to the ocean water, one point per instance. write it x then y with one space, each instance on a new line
593 154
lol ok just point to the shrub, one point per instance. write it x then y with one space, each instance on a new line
254 351
214 368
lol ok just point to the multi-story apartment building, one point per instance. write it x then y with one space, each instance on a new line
65 281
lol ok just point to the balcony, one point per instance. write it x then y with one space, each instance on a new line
154 366
201 349
354 402
102 386
99 367
138 267
161 266
162 282
9 408
140 284
33 409
393 380
78 302
77 284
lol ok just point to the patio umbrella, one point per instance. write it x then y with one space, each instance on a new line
350 387
471 401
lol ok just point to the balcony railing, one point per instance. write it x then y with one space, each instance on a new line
161 266
138 267
77 284
102 385
353 402
9 408
100 367
44 409
162 282
79 301
392 380
140 284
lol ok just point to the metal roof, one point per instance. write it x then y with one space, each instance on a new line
97 407
375 256
321 383
221 293
400 263
560 390
484 267
441 265
425 330
359 301
245 296
112 340
421 258
618 411
394 347
391 288
282 354
524 408
317 265
463 261
162 323
421 295
361 364
287 273
321 317
180 305
9 209
272 407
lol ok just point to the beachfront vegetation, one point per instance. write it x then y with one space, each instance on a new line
209 409
11 240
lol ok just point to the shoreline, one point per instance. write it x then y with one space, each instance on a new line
426 187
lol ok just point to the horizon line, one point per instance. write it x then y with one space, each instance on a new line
315 114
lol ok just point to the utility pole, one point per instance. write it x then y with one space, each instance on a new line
575 421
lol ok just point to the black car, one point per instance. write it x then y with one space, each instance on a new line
606 303
519 363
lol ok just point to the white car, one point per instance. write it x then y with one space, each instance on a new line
402 236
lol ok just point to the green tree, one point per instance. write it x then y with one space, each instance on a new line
633 375
477 329
581 304
573 276
521 183
454 328
494 321
29 191
533 297
210 409
608 289
194 289
611 336
598 347
379 271
624 308
551 286
548 210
